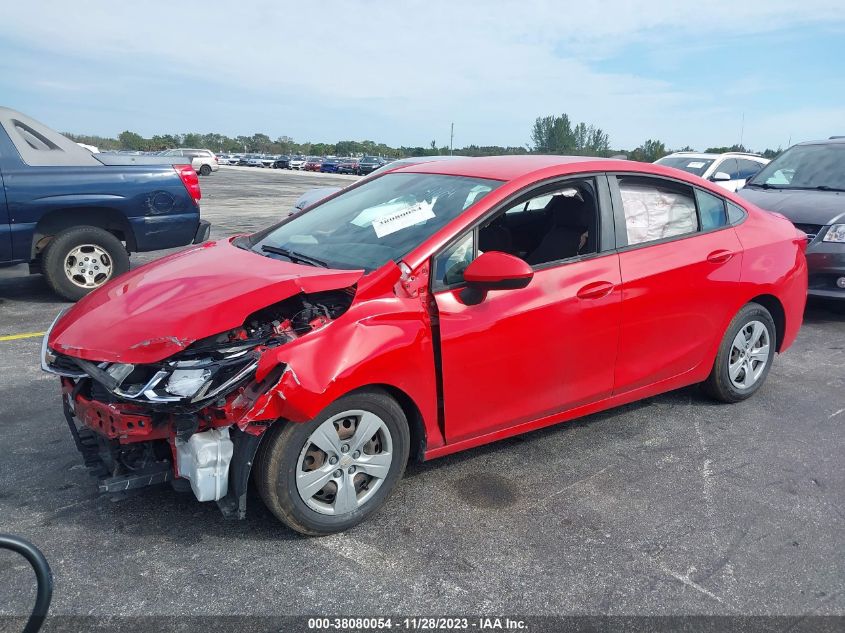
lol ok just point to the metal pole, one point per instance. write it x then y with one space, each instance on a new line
451 138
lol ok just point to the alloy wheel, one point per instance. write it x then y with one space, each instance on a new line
749 355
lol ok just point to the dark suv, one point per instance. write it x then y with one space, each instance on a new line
807 184
369 164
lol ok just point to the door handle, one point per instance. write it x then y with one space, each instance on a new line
719 257
595 290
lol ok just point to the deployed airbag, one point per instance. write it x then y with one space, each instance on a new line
652 213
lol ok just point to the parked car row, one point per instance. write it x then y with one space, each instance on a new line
325 164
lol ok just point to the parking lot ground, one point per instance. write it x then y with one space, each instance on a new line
673 505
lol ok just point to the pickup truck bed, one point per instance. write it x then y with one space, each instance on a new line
76 216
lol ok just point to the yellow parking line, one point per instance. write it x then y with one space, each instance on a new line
15 337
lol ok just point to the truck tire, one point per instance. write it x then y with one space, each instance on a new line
81 259
205 170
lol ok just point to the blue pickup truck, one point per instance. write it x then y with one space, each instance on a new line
76 216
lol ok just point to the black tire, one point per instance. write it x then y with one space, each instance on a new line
278 459
61 246
718 384
205 170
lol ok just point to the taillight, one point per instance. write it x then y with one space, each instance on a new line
190 180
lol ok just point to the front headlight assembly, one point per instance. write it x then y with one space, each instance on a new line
188 382
191 379
836 233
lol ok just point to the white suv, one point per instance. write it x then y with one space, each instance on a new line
729 170
202 160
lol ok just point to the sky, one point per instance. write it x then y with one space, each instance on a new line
400 71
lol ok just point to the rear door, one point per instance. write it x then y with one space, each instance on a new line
680 265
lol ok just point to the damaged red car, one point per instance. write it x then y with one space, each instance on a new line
429 310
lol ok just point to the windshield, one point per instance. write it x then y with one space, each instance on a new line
805 167
379 221
688 164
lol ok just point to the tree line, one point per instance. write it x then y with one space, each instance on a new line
552 134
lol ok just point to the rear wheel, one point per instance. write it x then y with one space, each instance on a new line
82 259
745 355
205 170
331 473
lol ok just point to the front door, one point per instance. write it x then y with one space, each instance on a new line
520 355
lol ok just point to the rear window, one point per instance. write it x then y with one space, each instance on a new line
690 165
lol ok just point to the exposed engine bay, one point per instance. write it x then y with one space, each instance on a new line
142 424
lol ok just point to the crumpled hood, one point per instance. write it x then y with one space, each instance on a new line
156 310
800 206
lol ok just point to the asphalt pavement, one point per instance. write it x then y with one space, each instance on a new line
673 505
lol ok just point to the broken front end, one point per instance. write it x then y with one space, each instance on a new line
194 419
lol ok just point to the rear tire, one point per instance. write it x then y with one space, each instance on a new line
205 170
67 250
289 455
745 355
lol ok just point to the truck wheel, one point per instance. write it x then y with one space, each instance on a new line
331 473
81 259
205 170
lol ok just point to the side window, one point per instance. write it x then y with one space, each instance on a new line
656 209
35 140
735 213
748 168
730 167
449 266
711 210
557 225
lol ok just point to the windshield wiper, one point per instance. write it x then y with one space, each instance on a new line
762 185
824 188
294 256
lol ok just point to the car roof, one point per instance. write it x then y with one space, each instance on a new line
833 140
509 167
712 155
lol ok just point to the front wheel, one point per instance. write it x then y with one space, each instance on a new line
331 473
745 355
82 259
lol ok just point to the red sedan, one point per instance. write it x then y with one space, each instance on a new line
313 164
428 310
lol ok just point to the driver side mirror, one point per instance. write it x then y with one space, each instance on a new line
720 176
494 270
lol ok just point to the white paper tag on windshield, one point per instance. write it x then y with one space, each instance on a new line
696 164
402 219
